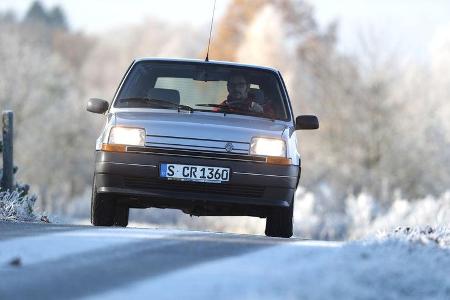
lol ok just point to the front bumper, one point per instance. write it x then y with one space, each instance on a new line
135 177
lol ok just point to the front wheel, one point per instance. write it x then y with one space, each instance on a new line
102 208
121 216
279 222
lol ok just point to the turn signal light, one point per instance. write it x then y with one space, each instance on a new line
277 160
114 148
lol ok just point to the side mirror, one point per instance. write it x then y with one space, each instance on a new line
306 122
97 106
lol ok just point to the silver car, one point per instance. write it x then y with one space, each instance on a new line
208 138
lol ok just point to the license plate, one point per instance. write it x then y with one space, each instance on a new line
194 173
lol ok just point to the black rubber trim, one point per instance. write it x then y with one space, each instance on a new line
176 199
198 154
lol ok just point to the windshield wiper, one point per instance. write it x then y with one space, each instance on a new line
149 102
225 108
213 105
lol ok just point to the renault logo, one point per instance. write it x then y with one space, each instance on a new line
229 147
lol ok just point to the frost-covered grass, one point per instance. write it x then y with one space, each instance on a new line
15 206
424 235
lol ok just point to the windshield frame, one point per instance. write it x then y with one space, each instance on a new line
275 73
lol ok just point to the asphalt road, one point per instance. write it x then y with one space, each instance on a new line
47 261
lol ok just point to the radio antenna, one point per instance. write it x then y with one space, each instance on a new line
210 31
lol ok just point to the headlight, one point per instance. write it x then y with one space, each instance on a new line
127 136
267 147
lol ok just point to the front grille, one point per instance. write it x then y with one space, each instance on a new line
181 186
196 144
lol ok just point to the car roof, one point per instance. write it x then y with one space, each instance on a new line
211 62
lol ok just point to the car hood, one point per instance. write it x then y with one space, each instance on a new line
200 130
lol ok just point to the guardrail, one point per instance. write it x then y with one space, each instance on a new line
6 146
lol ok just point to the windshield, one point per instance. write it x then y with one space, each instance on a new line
200 87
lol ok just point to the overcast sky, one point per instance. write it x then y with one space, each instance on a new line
407 25
101 15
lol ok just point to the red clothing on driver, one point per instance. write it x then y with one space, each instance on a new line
246 105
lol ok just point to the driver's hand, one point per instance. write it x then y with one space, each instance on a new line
255 107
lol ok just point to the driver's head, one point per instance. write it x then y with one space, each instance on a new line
237 87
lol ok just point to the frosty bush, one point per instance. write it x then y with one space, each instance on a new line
16 205
363 215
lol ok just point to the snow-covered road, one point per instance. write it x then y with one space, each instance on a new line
40 261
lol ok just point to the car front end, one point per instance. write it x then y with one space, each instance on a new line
227 165
208 138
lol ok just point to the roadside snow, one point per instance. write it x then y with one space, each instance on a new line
399 265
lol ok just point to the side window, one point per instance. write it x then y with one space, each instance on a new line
137 83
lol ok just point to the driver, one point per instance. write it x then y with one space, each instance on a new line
240 99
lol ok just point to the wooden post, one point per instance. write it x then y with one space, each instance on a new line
7 178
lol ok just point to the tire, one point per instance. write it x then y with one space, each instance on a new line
102 208
279 222
121 216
